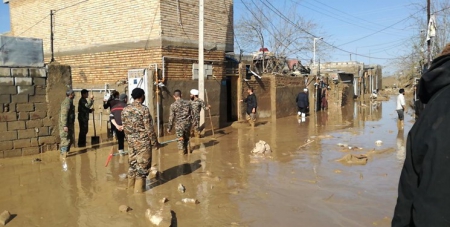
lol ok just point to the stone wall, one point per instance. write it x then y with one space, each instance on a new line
29 109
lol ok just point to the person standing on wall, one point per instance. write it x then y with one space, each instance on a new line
181 117
137 124
196 107
109 101
252 105
302 104
401 109
66 123
116 120
84 108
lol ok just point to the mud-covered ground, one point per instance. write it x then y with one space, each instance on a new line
298 184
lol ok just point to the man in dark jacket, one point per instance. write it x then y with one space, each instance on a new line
424 187
116 120
302 103
252 104
109 101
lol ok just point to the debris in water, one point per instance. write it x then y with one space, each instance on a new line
123 176
354 159
261 147
378 142
5 217
154 172
189 200
337 171
361 176
162 217
124 208
164 200
181 188
342 145
37 160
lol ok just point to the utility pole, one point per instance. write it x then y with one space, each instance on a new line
201 60
52 14
428 23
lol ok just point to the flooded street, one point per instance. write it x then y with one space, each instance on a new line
299 183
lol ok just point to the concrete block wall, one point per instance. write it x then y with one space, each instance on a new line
24 123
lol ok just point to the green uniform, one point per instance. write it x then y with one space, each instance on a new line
138 127
196 107
84 108
66 119
180 114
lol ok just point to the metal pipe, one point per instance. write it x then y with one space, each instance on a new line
52 35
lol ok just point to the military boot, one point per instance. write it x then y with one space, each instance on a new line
139 185
131 182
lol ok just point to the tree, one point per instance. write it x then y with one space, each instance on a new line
266 28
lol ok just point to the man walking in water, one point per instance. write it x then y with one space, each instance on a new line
401 109
302 104
252 104
196 107
137 124
180 115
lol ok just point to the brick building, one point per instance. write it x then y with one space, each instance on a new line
102 40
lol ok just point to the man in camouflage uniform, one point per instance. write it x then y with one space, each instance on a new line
137 124
196 107
84 108
180 112
66 123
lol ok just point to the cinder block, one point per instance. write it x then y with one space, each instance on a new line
7 117
38 115
26 133
3 127
40 90
10 107
34 123
8 81
5 98
40 106
25 107
40 81
38 73
38 98
21 143
23 81
47 140
6 145
12 153
34 142
8 136
46 121
19 98
19 72
30 151
8 90
29 90
5 72
24 116
44 131
15 125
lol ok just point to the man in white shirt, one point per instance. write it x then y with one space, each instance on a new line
401 108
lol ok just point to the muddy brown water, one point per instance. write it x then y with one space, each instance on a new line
295 186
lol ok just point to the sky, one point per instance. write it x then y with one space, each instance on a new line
379 29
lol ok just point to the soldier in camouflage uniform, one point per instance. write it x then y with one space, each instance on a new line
180 112
137 124
66 123
196 107
84 108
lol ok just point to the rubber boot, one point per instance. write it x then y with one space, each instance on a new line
139 185
252 123
63 152
131 182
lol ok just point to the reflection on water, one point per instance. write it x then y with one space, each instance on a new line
299 180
